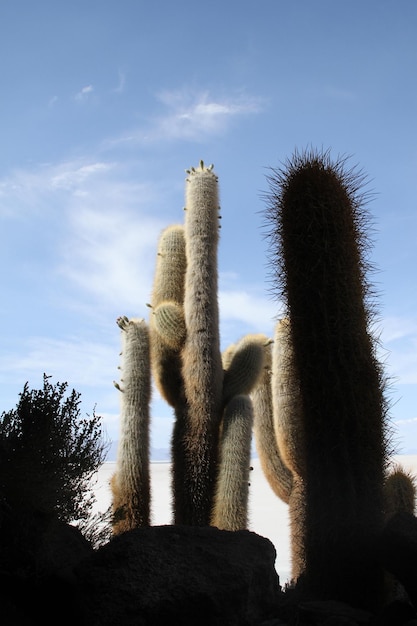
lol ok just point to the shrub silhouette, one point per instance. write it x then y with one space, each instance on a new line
48 454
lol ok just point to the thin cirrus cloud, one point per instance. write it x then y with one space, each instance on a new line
111 236
191 115
109 256
86 362
84 93
188 115
399 338
34 190
121 84
252 310
105 233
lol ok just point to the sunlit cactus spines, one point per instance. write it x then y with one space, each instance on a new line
317 227
243 367
286 401
168 322
230 508
170 267
198 416
279 476
201 353
168 287
131 481
185 350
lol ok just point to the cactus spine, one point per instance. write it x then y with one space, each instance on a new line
317 233
131 481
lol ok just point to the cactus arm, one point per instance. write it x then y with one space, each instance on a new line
168 286
131 482
230 511
169 323
286 401
279 477
243 366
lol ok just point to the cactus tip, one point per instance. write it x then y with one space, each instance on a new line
122 321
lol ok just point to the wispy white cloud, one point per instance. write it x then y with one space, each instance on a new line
72 358
71 175
110 256
412 420
28 191
84 93
107 227
194 115
255 312
395 328
121 84
399 338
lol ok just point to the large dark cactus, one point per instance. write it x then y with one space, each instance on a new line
316 226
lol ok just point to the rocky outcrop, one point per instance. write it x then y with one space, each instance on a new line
149 576
179 575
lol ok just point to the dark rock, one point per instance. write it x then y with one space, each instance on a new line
398 548
38 554
179 575
34 544
331 613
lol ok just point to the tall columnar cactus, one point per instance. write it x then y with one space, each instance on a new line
317 221
186 358
131 482
201 358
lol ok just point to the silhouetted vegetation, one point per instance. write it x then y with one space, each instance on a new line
49 454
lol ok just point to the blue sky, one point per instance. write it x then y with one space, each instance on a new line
103 106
